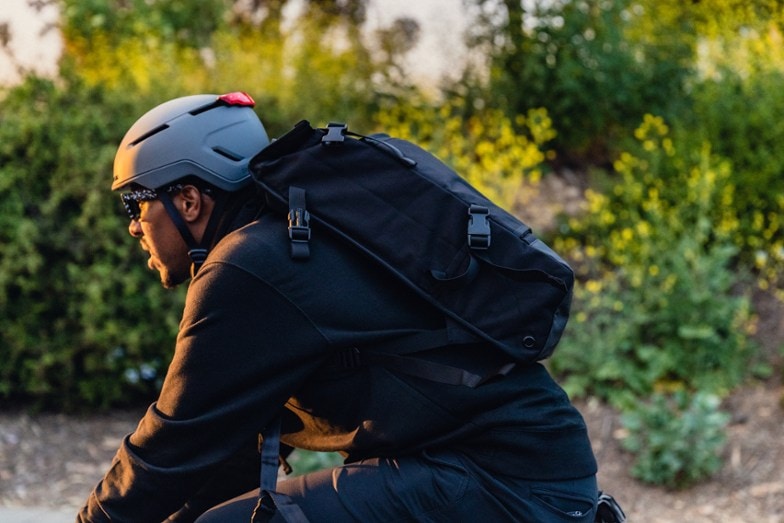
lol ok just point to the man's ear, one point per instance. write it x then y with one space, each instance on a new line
192 203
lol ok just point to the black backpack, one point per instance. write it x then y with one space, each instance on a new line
400 205
492 278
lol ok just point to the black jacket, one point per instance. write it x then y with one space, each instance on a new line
256 341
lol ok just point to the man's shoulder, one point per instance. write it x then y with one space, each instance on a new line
264 238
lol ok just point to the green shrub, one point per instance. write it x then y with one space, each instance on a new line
683 325
676 439
659 304
739 117
596 66
84 323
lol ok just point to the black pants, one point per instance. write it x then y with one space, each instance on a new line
434 486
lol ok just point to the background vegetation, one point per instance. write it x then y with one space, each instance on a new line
667 114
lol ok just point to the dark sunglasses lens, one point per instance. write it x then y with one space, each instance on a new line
131 206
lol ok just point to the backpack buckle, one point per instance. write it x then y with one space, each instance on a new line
478 227
299 224
336 133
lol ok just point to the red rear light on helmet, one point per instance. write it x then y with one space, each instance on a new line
237 98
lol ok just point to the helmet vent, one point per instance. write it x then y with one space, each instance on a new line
205 108
149 133
228 154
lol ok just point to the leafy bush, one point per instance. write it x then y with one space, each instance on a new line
660 304
680 324
596 66
84 323
738 117
677 439
313 63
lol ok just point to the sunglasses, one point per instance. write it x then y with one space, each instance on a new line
133 198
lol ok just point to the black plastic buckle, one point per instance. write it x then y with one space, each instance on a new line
198 255
336 133
299 225
478 227
299 233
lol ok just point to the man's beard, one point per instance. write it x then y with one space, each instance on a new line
170 280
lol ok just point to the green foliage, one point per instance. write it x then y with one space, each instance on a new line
316 64
190 23
681 327
677 439
660 306
496 155
305 461
584 62
83 321
714 70
738 116
661 248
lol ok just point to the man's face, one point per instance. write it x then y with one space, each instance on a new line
162 241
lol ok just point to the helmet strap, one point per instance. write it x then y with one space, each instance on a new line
197 252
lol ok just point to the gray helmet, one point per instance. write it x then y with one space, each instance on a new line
208 136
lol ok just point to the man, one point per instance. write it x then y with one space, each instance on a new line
256 347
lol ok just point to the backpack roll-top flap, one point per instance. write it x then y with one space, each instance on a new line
410 212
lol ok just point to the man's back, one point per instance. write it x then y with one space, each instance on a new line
345 301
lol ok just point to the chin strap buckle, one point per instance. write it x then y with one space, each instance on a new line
197 257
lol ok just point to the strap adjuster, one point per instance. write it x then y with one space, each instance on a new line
299 233
299 224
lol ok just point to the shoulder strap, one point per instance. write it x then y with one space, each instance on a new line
270 500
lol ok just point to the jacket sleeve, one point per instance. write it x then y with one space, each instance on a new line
236 476
242 350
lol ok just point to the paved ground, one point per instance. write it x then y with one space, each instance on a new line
34 515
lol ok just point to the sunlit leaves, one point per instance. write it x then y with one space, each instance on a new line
661 302
498 156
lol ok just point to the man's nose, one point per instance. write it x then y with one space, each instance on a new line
135 229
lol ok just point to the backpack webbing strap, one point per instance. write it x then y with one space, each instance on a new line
392 354
438 372
271 501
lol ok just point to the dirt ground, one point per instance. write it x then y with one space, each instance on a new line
54 460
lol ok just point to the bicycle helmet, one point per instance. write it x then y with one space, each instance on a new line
208 136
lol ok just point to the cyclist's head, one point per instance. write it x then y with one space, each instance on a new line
206 137
203 143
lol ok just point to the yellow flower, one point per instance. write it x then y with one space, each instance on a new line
593 286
